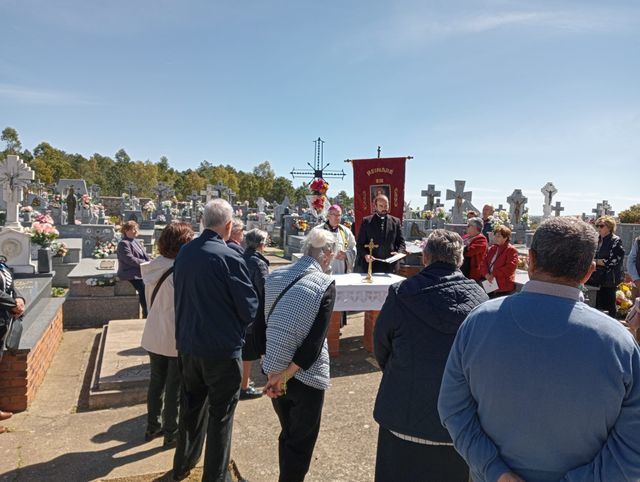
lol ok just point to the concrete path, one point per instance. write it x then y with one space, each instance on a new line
56 439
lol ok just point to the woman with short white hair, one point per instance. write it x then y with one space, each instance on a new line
298 305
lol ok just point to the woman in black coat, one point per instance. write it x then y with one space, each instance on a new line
255 340
609 258
412 339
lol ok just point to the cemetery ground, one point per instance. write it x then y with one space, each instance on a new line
59 439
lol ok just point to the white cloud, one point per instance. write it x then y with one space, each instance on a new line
28 95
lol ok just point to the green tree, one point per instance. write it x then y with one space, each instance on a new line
10 137
300 194
281 187
122 157
51 164
630 215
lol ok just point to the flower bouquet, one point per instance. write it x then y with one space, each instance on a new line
500 218
301 225
149 207
624 299
318 201
59 249
85 201
428 215
440 213
104 249
43 233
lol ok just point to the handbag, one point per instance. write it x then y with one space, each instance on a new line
12 337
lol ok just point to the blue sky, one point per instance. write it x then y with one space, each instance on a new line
503 94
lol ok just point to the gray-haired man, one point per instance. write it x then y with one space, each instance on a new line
539 386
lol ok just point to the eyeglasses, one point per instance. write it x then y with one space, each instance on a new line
600 225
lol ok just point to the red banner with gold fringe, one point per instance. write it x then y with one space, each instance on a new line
372 177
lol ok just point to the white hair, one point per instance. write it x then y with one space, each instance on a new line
318 242
238 225
217 212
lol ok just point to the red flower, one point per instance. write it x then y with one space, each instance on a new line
319 186
318 203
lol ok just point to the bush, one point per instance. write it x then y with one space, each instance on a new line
631 215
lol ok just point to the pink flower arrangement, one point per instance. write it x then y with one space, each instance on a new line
43 234
44 218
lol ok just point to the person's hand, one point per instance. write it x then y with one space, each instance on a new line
599 262
273 388
341 255
632 322
19 309
510 477
490 278
368 258
393 253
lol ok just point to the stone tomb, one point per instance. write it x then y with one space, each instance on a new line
21 374
63 266
97 296
91 234
16 247
121 374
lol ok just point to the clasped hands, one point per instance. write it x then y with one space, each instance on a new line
276 384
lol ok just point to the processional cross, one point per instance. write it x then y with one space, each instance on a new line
318 169
370 246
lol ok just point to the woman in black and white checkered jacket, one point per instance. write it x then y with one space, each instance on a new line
298 302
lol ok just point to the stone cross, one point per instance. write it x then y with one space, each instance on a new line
131 187
231 195
39 188
459 196
603 209
548 191
516 204
558 208
163 191
262 204
500 208
430 194
438 204
15 175
193 197
209 193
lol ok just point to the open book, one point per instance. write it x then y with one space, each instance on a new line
392 259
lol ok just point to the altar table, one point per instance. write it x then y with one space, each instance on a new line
353 294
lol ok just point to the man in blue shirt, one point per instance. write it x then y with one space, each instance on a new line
539 386
215 302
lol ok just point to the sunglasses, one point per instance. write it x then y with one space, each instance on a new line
600 225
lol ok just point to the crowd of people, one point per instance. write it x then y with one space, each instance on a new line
534 385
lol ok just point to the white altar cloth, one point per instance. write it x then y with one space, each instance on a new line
352 294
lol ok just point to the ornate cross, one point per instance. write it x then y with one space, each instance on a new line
370 246
459 196
231 195
318 169
558 208
221 188
516 203
193 197
603 209
15 175
548 191
430 194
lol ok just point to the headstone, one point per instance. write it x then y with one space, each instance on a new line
548 191
458 196
430 194
16 247
193 197
95 191
279 210
516 206
262 204
58 215
15 175
231 195
79 186
558 208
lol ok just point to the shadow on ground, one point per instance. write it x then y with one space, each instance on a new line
91 465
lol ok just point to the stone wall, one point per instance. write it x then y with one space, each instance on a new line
22 374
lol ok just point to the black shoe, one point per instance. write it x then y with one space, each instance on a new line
250 393
181 476
149 435
170 441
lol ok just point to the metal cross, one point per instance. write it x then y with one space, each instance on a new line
318 169
430 194
370 246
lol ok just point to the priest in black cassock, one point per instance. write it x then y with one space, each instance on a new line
386 232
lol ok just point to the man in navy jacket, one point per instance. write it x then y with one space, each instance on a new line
215 302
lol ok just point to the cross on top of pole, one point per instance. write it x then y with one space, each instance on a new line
319 168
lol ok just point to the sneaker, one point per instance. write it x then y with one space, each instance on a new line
250 393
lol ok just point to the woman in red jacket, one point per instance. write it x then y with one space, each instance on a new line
501 263
475 250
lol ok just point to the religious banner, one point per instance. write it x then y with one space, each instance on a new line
372 177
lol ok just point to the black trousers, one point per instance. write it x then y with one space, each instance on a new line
606 300
299 412
209 394
163 395
138 285
399 460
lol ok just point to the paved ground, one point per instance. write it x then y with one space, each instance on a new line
56 439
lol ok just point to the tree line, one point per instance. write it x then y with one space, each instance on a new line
113 174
